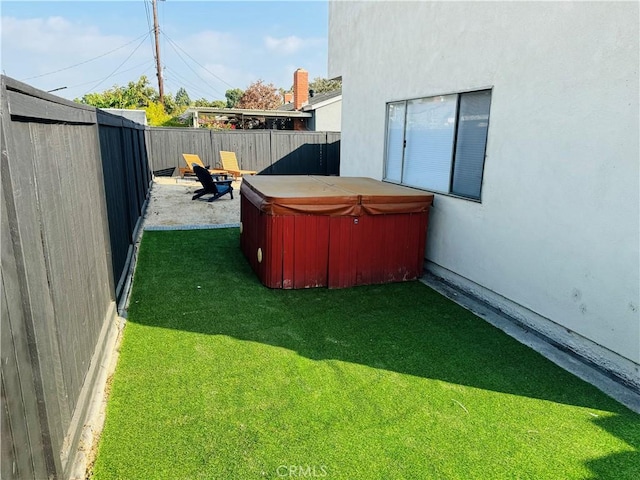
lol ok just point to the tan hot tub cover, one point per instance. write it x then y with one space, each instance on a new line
333 196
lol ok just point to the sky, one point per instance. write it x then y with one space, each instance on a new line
206 47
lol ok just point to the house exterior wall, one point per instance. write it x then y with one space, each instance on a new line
327 118
139 116
555 239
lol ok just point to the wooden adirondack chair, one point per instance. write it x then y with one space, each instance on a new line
191 159
229 163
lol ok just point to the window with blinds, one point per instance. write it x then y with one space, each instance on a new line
438 143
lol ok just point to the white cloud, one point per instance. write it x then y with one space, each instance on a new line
232 76
33 48
285 46
201 63
55 35
208 45
41 50
289 45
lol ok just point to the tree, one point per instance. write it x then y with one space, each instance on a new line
233 97
139 94
259 96
203 102
135 95
182 98
322 85
170 105
156 115
99 100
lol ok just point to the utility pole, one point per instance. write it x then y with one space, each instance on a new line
156 31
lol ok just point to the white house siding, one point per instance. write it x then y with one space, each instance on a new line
328 117
139 116
556 238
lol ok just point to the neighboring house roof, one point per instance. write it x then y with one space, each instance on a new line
236 112
317 101
286 107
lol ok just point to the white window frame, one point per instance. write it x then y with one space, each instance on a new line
444 158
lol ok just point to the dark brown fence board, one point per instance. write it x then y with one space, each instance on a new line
110 120
168 144
333 153
55 238
11 84
57 280
14 463
71 233
294 151
266 151
36 294
116 199
127 179
26 106
142 185
21 433
250 146
75 181
131 181
144 158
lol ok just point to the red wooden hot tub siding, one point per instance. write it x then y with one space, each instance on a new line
303 251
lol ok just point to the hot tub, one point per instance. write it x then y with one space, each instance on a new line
312 231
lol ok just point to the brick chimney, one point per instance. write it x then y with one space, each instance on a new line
288 97
300 88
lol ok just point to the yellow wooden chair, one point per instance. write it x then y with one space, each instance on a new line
191 159
229 163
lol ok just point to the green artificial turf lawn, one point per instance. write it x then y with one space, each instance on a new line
220 377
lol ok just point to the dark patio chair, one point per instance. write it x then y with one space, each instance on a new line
210 186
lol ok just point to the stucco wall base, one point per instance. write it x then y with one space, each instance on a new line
490 305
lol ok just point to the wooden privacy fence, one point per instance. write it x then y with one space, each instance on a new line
73 185
127 177
270 152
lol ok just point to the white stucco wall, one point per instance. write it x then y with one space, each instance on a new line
139 116
328 118
558 231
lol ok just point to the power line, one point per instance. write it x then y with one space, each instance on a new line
175 78
162 12
118 67
171 42
175 47
149 23
193 70
86 61
146 64
188 82
192 86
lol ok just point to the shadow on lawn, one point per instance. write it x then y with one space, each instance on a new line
402 327
618 465
406 328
